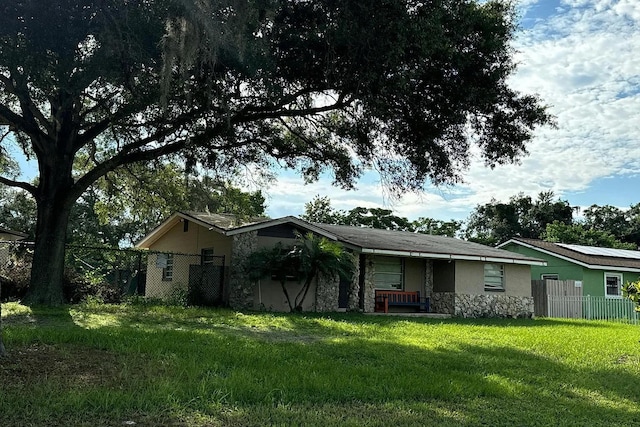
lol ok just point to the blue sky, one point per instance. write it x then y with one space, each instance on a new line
583 58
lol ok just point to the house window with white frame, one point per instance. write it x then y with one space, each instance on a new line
167 271
612 285
549 276
389 273
494 277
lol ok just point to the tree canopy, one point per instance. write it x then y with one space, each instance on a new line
581 234
236 83
624 224
496 222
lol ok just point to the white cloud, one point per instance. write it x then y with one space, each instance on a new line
582 63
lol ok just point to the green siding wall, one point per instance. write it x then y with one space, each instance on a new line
593 283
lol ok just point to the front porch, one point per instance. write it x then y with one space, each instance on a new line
411 286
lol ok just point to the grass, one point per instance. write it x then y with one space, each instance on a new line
102 365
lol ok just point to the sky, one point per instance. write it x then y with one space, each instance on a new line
582 57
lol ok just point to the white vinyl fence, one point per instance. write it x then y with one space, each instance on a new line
593 308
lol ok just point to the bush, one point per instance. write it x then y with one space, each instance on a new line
77 287
631 290
15 277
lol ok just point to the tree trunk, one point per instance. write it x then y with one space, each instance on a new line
54 206
286 294
47 269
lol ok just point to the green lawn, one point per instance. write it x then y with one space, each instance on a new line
112 365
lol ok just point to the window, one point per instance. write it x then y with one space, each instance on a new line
389 273
549 277
207 256
612 285
494 277
167 271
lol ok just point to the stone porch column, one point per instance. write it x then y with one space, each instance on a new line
369 285
354 288
240 287
428 277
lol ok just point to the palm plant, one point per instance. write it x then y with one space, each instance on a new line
631 290
310 257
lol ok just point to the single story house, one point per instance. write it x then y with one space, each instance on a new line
600 271
460 278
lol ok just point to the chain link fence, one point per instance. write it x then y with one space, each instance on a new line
113 274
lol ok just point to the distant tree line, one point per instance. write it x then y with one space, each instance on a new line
320 210
546 217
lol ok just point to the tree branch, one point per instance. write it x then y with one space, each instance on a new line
9 118
132 152
290 113
26 103
19 184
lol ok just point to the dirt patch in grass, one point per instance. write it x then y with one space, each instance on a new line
62 364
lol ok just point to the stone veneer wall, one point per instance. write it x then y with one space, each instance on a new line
327 290
443 303
428 277
240 287
369 285
354 288
493 306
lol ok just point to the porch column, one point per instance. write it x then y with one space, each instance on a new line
240 287
327 293
369 284
354 288
428 277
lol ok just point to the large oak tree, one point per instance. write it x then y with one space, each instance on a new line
402 86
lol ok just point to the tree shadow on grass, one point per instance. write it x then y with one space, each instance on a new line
488 386
204 372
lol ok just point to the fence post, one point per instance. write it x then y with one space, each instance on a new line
548 313
139 274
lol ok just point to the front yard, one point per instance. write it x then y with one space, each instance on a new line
150 365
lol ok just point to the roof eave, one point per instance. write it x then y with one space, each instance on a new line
452 257
170 222
572 260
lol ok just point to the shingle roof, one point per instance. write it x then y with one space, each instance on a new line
18 235
578 257
222 221
366 240
403 241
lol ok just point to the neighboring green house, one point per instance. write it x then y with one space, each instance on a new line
602 271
